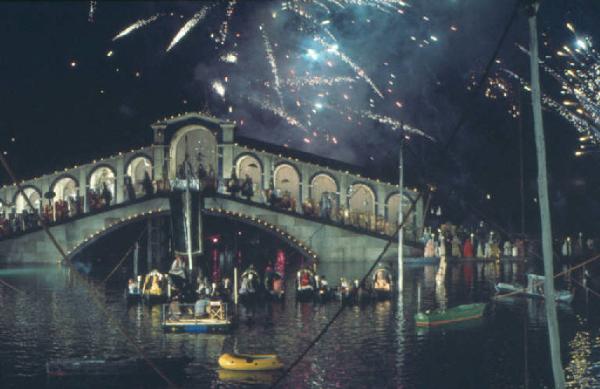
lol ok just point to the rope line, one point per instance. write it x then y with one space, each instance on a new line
125 256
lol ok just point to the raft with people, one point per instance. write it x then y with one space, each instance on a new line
205 316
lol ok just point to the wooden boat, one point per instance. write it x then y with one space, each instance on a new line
534 288
382 287
305 285
249 285
214 320
452 315
250 362
78 367
274 285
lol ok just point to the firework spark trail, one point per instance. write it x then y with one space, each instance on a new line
326 8
393 123
188 26
357 69
581 125
280 112
92 11
317 81
271 59
224 29
219 88
136 26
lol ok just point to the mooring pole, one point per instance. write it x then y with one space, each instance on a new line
538 125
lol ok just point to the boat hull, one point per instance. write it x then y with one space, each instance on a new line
202 326
453 315
257 362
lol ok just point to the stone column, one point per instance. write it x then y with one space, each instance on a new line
419 218
343 182
149 259
159 167
83 186
120 180
381 194
305 173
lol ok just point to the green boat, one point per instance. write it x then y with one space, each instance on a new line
452 315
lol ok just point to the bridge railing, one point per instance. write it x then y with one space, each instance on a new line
14 224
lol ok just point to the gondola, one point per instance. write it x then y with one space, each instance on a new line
305 285
274 285
323 293
382 285
249 285
535 288
156 288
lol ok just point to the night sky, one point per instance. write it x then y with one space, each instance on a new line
66 101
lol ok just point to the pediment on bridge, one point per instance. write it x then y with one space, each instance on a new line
166 128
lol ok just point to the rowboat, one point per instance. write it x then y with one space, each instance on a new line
250 362
452 315
78 367
535 288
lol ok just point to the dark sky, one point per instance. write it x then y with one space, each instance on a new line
60 114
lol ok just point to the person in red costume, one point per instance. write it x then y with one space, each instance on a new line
468 248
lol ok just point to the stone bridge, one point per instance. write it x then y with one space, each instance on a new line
364 210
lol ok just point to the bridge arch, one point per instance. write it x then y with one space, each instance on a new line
392 203
250 164
274 230
362 197
100 175
136 167
322 182
33 194
64 186
287 178
201 147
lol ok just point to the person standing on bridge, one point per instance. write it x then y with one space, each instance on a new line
106 195
247 188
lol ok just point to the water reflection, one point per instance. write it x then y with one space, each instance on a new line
374 345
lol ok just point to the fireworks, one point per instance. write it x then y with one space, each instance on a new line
394 124
188 26
271 59
311 71
92 11
136 26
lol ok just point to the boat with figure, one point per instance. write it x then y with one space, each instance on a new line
534 288
382 286
133 293
323 293
250 362
452 315
155 289
305 284
116 366
274 285
202 317
249 286
345 292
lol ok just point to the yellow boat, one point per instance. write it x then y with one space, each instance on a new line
249 362
265 377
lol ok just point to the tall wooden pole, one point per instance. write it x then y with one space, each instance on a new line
401 214
538 125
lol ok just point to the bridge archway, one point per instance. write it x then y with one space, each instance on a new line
249 164
391 209
287 179
138 167
274 230
65 187
321 183
201 145
101 175
33 194
362 198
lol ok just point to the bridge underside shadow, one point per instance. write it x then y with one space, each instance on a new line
319 240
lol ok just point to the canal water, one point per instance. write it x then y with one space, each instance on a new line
370 346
